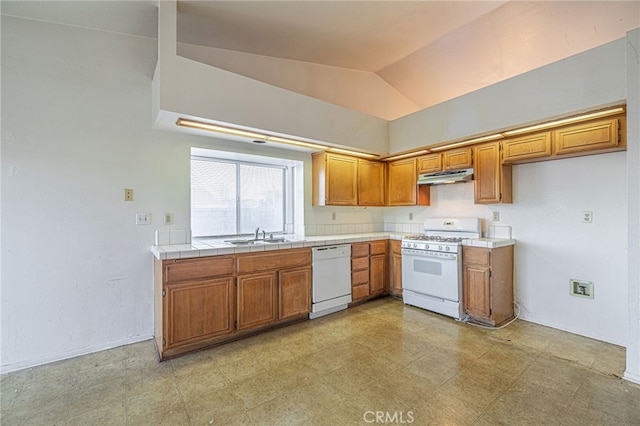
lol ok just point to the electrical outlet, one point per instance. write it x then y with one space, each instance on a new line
143 218
128 194
333 216
587 216
496 216
410 216
581 288
168 218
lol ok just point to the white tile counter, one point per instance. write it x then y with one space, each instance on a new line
488 242
215 247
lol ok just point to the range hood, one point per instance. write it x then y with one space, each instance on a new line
440 178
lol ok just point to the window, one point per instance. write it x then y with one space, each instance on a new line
230 197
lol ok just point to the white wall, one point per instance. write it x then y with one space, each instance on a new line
553 245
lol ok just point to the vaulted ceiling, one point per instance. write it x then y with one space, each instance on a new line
408 54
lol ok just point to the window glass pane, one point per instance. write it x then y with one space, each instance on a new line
213 198
261 198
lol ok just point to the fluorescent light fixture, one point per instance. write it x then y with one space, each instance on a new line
218 129
356 153
294 142
468 142
569 120
408 154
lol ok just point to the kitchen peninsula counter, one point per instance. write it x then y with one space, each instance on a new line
215 247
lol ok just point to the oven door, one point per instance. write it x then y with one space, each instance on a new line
431 274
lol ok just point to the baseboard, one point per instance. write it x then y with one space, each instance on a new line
632 377
8 368
572 330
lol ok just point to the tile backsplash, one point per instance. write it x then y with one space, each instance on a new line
173 236
338 229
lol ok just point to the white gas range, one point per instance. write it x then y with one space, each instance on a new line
432 265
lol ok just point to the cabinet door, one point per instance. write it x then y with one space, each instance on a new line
256 300
455 159
492 181
402 183
537 146
371 180
197 311
377 274
294 292
477 291
430 163
342 180
395 267
601 134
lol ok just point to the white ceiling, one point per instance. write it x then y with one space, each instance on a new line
427 51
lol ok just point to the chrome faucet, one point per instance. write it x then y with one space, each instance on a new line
257 231
264 235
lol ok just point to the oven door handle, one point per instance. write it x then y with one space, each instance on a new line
426 254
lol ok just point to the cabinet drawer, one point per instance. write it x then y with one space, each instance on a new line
359 249
477 255
378 247
457 159
360 277
189 269
430 163
273 260
360 291
360 263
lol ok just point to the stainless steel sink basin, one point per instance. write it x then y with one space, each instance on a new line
251 241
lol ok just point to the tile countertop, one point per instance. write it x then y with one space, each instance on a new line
488 242
215 247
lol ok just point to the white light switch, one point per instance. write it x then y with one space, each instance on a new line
143 218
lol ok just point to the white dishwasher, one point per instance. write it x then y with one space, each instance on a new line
331 279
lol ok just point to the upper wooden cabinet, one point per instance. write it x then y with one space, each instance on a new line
340 180
402 184
531 147
585 137
492 180
335 180
371 179
456 159
453 159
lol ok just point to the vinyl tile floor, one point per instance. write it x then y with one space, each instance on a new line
377 363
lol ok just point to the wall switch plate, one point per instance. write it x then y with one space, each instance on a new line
581 288
168 218
495 216
143 218
587 216
128 194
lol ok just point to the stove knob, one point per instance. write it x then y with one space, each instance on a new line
439 247
415 245
447 248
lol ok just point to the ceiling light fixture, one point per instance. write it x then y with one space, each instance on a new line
408 154
356 153
218 129
569 120
295 142
468 142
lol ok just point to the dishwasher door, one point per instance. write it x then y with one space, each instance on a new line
331 279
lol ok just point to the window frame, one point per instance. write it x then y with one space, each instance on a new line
238 163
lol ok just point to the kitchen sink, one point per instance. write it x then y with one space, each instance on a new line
252 241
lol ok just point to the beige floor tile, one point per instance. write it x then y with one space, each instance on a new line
381 358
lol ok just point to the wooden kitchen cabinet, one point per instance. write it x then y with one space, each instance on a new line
294 292
371 183
533 147
335 180
395 267
402 184
487 276
456 159
492 179
430 163
368 270
193 302
256 300
601 135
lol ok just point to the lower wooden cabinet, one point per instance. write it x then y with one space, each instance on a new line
204 301
395 267
368 269
198 310
487 276
294 292
256 300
